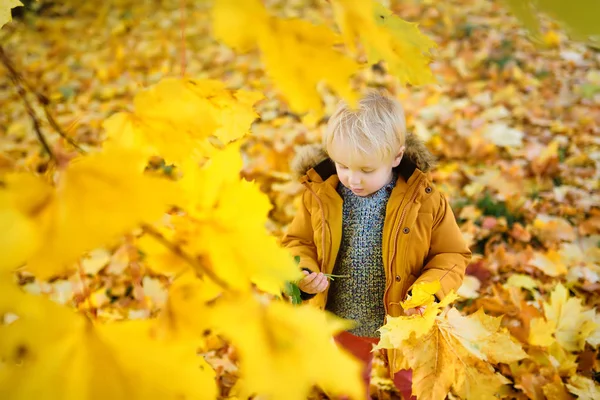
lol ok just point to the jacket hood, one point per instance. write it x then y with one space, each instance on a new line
416 155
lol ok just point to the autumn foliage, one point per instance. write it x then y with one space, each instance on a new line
144 182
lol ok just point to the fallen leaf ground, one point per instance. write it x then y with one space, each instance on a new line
515 125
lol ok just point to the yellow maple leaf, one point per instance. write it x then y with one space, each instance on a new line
285 49
549 263
86 210
235 114
174 118
584 388
554 356
5 7
24 200
482 336
422 294
594 338
233 237
456 353
480 382
184 316
158 257
228 16
573 324
285 350
556 390
386 37
398 329
522 281
540 332
285 46
469 289
51 352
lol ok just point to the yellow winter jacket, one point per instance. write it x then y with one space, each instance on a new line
421 239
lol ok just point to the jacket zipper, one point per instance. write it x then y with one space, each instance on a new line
402 216
392 359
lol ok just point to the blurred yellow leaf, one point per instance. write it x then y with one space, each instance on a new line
24 203
236 242
229 16
521 281
572 323
578 16
285 46
551 38
584 388
549 263
51 352
277 339
98 197
285 49
385 37
469 288
5 7
185 315
174 118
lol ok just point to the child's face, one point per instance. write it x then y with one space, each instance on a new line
364 176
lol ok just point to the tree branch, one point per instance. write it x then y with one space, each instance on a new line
22 87
15 77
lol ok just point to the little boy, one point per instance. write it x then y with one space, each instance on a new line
370 212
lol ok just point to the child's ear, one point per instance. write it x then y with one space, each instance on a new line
398 157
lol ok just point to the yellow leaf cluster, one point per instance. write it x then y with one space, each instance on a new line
451 351
175 118
232 240
567 322
422 294
398 329
49 228
51 352
386 37
216 250
288 47
285 350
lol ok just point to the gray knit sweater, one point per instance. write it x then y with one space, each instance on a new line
360 297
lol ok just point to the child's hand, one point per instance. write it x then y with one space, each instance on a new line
417 310
313 283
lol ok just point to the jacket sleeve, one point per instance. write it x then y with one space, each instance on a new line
299 237
449 254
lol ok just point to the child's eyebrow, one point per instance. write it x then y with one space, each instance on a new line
362 167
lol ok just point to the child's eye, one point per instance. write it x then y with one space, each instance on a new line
367 171
340 166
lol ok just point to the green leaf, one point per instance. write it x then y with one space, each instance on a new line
293 292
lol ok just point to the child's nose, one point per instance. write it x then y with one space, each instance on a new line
354 179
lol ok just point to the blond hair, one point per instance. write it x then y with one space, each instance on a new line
377 128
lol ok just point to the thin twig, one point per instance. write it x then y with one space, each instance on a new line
15 77
22 87
57 128
182 23
195 263
136 274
